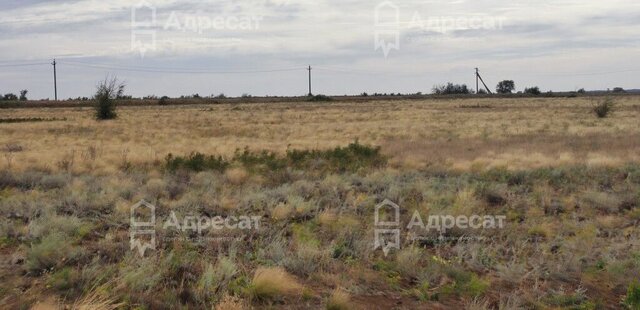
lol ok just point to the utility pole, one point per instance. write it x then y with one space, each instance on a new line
55 80
310 94
483 83
477 74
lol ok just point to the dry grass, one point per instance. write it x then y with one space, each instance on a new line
339 300
271 283
567 183
518 133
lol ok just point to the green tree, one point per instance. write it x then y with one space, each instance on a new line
532 90
506 87
23 95
107 92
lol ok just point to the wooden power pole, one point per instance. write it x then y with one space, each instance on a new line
478 77
310 94
55 80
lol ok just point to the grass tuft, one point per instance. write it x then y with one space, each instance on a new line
274 283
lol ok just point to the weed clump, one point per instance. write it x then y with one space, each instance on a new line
633 296
320 98
604 108
108 91
196 162
340 159
54 250
270 283
352 158
339 300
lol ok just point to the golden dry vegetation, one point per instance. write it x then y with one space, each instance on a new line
459 134
566 182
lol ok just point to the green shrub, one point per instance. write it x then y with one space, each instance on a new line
341 159
258 162
532 91
633 296
66 281
163 100
196 162
108 91
451 89
69 226
53 251
320 98
465 283
604 108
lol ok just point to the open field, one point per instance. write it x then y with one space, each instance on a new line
514 133
566 182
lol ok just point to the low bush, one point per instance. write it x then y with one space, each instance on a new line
604 108
632 300
196 162
54 250
451 89
320 98
107 92
164 100
532 91
341 159
352 158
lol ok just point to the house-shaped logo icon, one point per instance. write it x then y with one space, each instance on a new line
142 232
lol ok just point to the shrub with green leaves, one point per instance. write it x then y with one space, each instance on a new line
196 162
604 108
53 251
320 98
108 91
351 158
633 296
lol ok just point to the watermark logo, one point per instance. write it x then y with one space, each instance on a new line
142 230
387 229
201 23
143 23
386 27
389 25
148 23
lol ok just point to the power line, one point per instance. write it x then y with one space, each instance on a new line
24 64
170 70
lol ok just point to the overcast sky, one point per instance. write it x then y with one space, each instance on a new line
262 47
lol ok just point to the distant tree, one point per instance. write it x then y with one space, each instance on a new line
10 97
532 90
23 95
581 91
451 89
107 92
163 100
506 87
618 90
